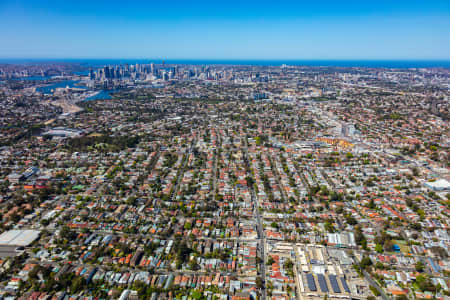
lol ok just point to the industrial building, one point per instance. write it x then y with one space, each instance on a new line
18 237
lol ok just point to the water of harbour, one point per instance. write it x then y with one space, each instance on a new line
49 89
102 95
33 78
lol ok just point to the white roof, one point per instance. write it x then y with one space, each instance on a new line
439 184
18 237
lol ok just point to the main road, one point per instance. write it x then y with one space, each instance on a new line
182 169
260 230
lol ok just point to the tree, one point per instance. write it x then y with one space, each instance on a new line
77 284
329 227
197 295
416 226
67 233
379 265
374 290
365 262
183 252
419 266
131 201
351 220
288 264
359 237
259 283
425 283
193 265
388 245
45 222
379 248
140 287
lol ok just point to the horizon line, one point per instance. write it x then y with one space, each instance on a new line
226 59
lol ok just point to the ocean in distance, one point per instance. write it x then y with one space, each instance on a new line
394 64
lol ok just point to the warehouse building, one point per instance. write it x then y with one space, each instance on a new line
18 237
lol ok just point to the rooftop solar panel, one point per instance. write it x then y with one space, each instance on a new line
322 283
334 284
311 283
344 285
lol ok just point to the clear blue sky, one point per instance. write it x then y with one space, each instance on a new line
233 29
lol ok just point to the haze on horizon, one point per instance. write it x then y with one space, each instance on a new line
227 30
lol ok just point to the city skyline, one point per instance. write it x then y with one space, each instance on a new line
416 30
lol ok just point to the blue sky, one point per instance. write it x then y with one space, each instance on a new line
340 29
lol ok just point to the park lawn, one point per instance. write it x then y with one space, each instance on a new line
404 248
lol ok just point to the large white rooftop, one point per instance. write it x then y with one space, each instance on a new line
440 184
18 237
